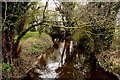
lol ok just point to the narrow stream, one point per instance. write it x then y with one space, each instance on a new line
68 61
53 61
54 65
57 66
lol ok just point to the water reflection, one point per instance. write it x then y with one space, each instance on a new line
53 61
62 62
56 64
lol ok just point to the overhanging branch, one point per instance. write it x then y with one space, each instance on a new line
25 31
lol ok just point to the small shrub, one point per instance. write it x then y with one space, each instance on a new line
7 67
36 48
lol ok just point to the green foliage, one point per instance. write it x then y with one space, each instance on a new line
117 33
36 48
7 67
15 16
43 42
0 66
7 78
34 45
117 70
96 25
108 64
30 34
31 45
46 40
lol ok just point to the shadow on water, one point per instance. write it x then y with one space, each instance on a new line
63 62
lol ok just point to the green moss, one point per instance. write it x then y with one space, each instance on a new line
30 34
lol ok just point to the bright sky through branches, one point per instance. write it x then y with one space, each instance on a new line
51 4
